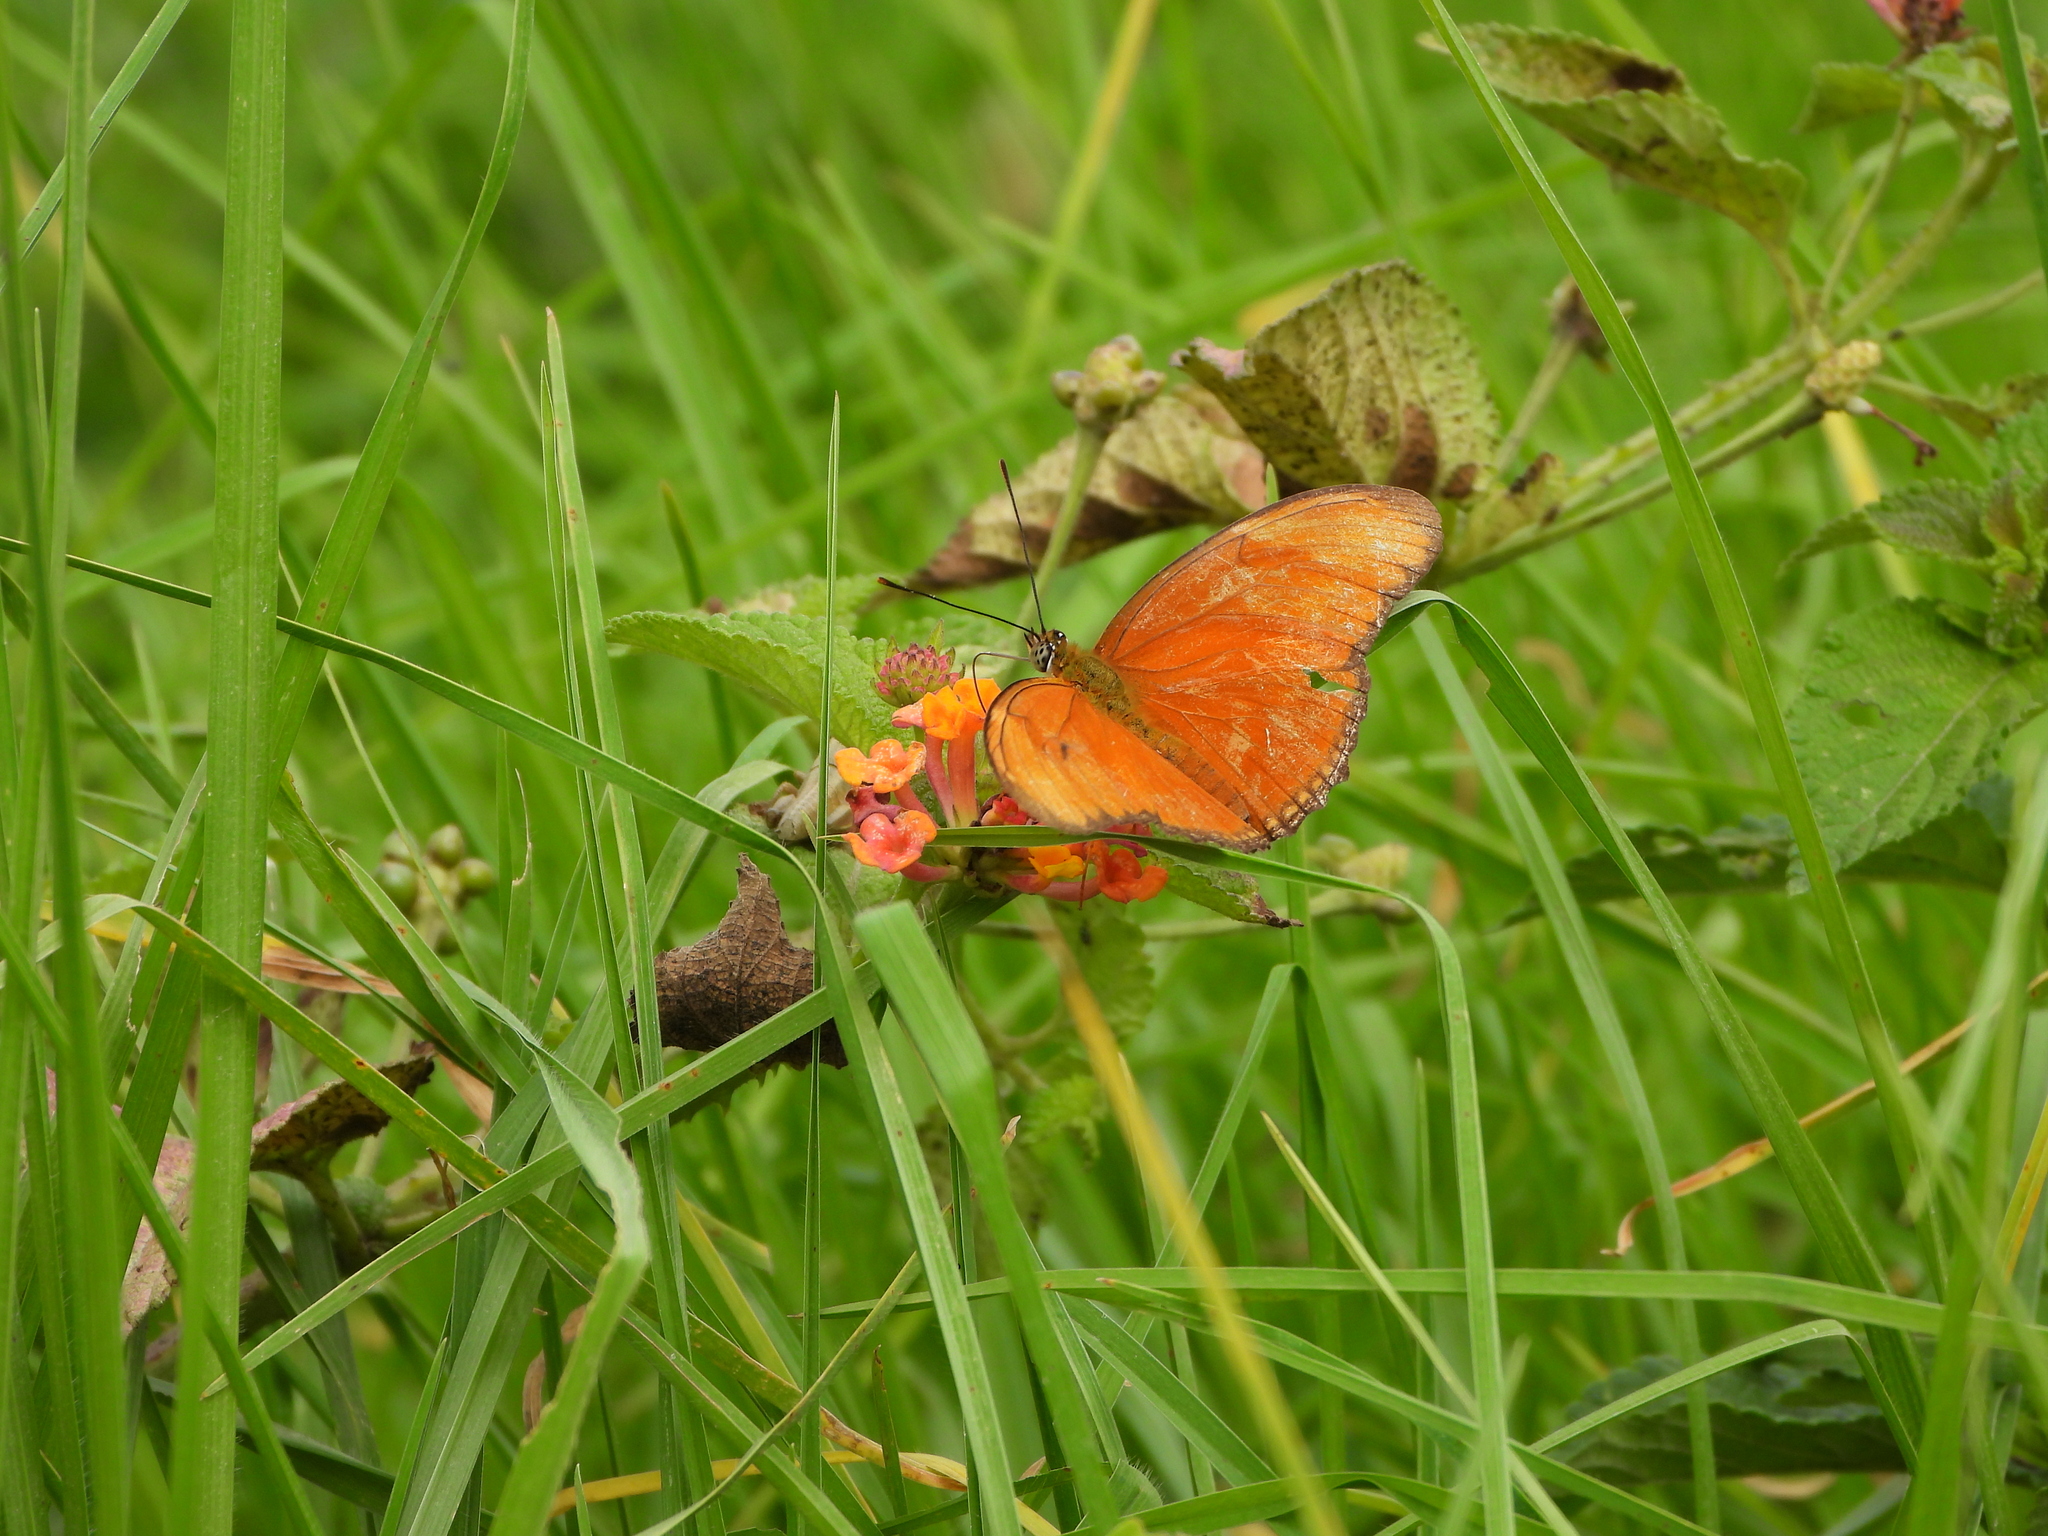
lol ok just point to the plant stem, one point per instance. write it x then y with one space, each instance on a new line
1975 309
1563 348
1797 412
1088 444
1979 176
1909 105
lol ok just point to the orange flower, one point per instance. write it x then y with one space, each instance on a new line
1123 877
1062 861
892 845
888 765
957 710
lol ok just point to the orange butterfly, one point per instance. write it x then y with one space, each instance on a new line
1197 711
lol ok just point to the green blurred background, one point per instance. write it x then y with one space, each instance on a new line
792 200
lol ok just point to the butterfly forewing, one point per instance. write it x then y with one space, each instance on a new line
1222 649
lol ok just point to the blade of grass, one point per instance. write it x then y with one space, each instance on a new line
1849 1253
369 488
924 998
1134 30
1195 1419
592 1128
238 722
2026 118
93 1249
1223 1312
140 57
686 1462
1568 926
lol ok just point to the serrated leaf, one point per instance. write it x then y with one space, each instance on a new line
1982 414
806 595
1640 119
778 655
1110 948
1963 848
1900 716
1180 459
1943 518
1769 1416
1968 84
1842 93
1375 380
1226 891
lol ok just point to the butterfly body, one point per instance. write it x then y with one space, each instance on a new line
1222 702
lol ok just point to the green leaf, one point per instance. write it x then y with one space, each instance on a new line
1770 1416
1942 518
780 656
1375 380
1968 85
1963 848
1110 947
1842 93
1901 715
1640 119
806 595
1222 890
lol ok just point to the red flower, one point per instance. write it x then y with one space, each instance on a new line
1123 877
1921 24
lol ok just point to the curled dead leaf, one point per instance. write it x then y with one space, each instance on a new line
1179 459
149 1278
307 1132
743 971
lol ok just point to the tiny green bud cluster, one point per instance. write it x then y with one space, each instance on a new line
1112 385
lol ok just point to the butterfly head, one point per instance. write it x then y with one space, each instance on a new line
1048 646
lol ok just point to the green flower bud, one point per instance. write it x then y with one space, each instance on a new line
475 877
400 881
447 846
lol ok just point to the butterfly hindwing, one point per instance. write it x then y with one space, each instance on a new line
1070 765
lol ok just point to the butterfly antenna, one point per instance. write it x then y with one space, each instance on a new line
932 598
1023 545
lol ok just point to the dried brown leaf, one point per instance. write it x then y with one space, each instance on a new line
305 1133
149 1279
1180 459
743 971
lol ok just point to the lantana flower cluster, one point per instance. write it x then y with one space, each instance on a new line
893 827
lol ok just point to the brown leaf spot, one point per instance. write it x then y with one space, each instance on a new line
1459 486
1538 467
743 971
1414 467
1642 75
